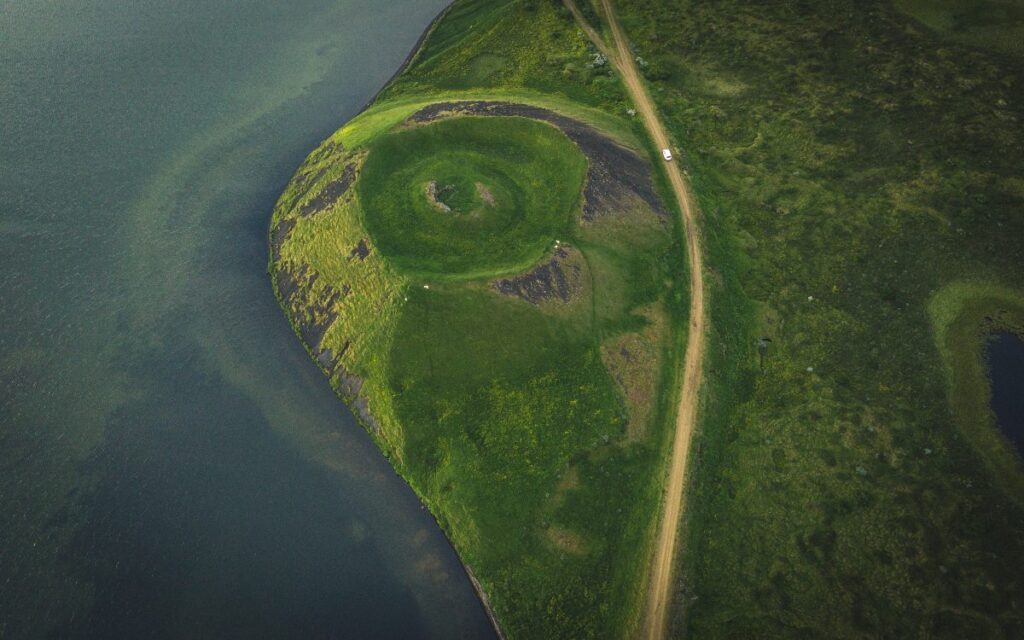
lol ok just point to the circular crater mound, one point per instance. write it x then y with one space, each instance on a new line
470 196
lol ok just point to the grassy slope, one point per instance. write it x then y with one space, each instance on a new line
505 417
850 167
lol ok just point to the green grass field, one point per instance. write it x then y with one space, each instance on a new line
533 424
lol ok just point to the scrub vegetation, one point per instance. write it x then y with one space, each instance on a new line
482 265
853 167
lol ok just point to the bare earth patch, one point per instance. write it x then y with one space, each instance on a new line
432 193
330 193
485 194
558 279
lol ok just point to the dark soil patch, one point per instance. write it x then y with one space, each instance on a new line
278 236
287 282
312 314
557 279
614 173
319 312
310 177
360 251
330 194
295 189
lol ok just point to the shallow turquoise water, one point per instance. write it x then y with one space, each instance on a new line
172 465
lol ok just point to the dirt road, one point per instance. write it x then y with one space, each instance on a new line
659 594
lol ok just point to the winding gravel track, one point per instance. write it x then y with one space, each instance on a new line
659 594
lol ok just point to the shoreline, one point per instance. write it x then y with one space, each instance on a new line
409 59
596 146
582 134
477 587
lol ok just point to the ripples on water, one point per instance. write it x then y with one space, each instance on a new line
171 463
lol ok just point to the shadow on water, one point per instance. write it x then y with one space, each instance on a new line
1005 355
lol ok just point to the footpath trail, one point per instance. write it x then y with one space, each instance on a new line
659 593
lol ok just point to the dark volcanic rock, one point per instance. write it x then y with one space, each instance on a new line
330 194
278 237
312 314
558 278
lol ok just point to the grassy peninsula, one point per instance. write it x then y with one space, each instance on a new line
487 264
483 264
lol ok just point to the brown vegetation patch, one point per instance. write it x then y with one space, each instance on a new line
560 278
634 361
569 481
566 540
615 172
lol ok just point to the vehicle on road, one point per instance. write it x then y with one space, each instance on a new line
667 154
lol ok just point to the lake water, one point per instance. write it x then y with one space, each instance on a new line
1005 353
172 464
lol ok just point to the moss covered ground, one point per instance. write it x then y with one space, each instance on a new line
853 166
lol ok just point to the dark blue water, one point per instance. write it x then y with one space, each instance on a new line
172 465
1005 353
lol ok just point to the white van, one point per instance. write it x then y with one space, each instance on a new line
665 153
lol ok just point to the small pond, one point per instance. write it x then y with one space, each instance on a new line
1005 354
